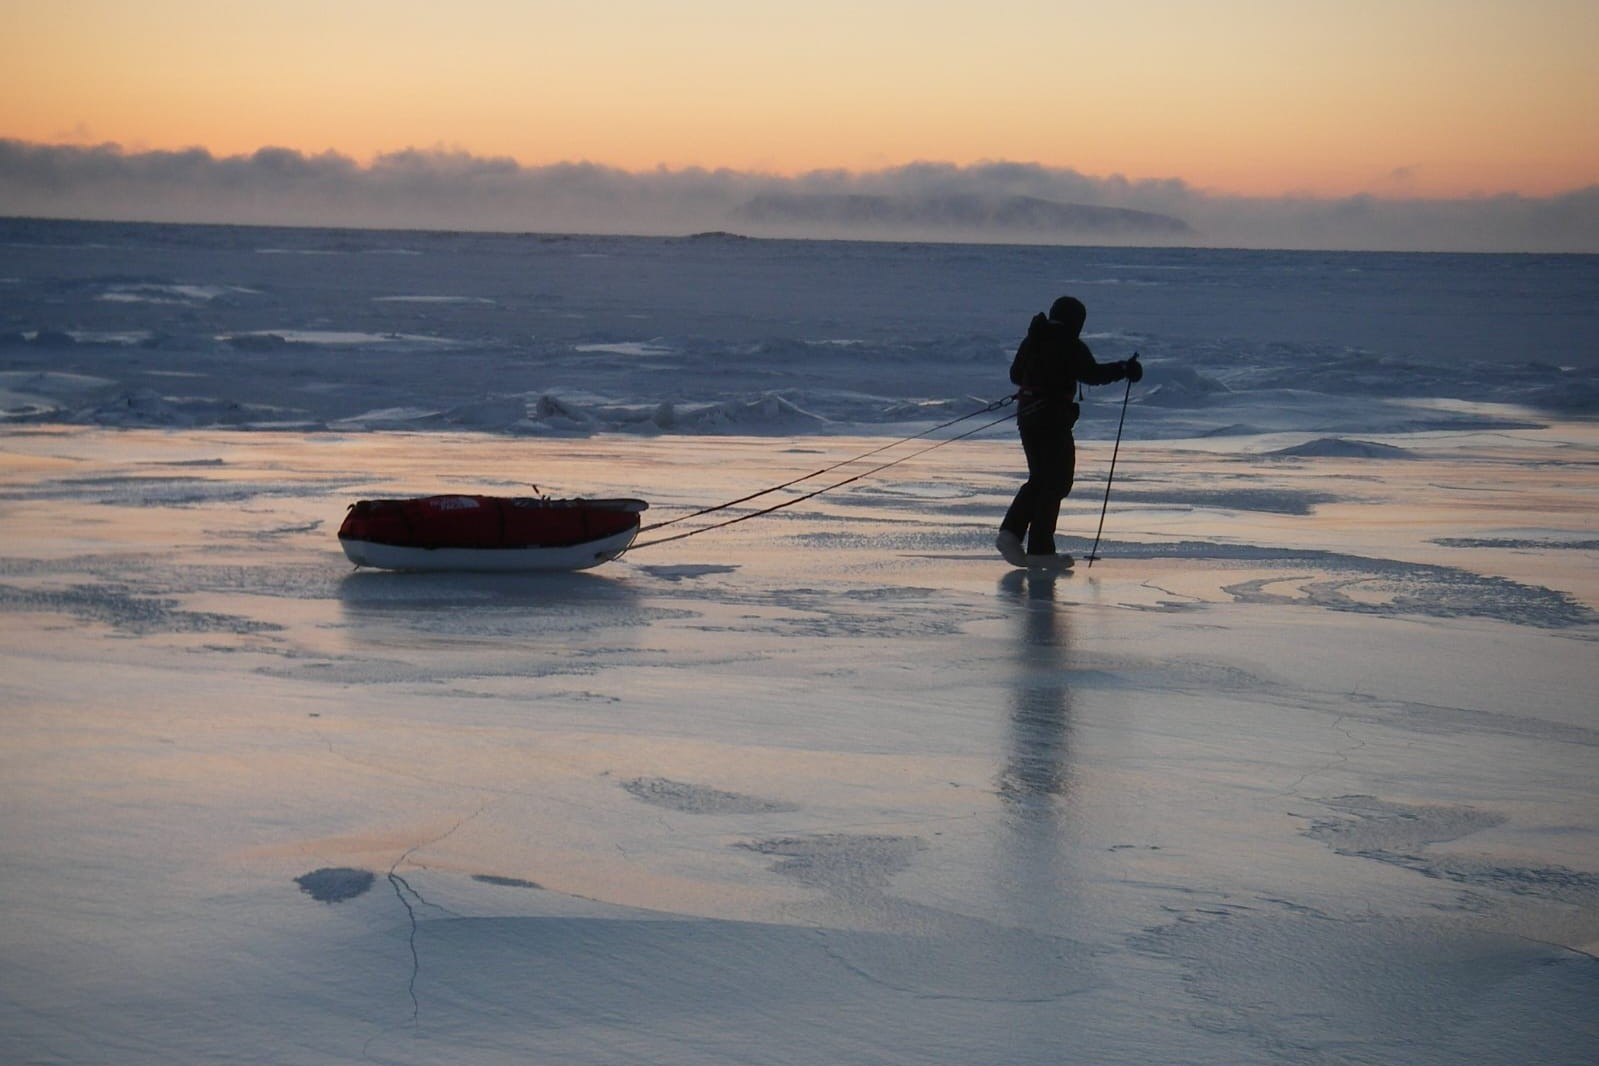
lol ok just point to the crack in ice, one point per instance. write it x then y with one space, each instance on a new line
1340 757
401 886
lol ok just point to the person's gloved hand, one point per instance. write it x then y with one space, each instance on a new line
1135 370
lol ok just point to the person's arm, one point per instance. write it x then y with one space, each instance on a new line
1091 372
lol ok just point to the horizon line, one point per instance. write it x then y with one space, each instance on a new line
559 235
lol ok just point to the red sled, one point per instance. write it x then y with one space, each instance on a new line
488 533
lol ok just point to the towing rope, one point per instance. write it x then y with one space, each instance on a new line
989 408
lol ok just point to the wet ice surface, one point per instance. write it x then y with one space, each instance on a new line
1301 771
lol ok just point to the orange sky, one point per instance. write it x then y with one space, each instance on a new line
1427 98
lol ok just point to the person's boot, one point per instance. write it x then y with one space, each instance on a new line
1010 546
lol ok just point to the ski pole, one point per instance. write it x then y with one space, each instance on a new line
1093 552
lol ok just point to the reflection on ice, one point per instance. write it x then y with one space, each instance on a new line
1038 770
424 592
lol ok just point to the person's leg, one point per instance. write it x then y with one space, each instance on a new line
1052 459
1013 527
1024 504
1019 512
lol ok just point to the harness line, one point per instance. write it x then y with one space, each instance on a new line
994 406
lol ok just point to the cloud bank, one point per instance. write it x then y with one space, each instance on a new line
998 202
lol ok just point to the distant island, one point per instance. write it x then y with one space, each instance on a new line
956 213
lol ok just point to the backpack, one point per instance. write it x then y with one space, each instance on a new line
1021 364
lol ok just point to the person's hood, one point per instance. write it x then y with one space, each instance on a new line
1069 312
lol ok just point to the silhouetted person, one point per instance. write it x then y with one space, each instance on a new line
1051 365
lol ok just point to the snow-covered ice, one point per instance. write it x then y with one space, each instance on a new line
1302 770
